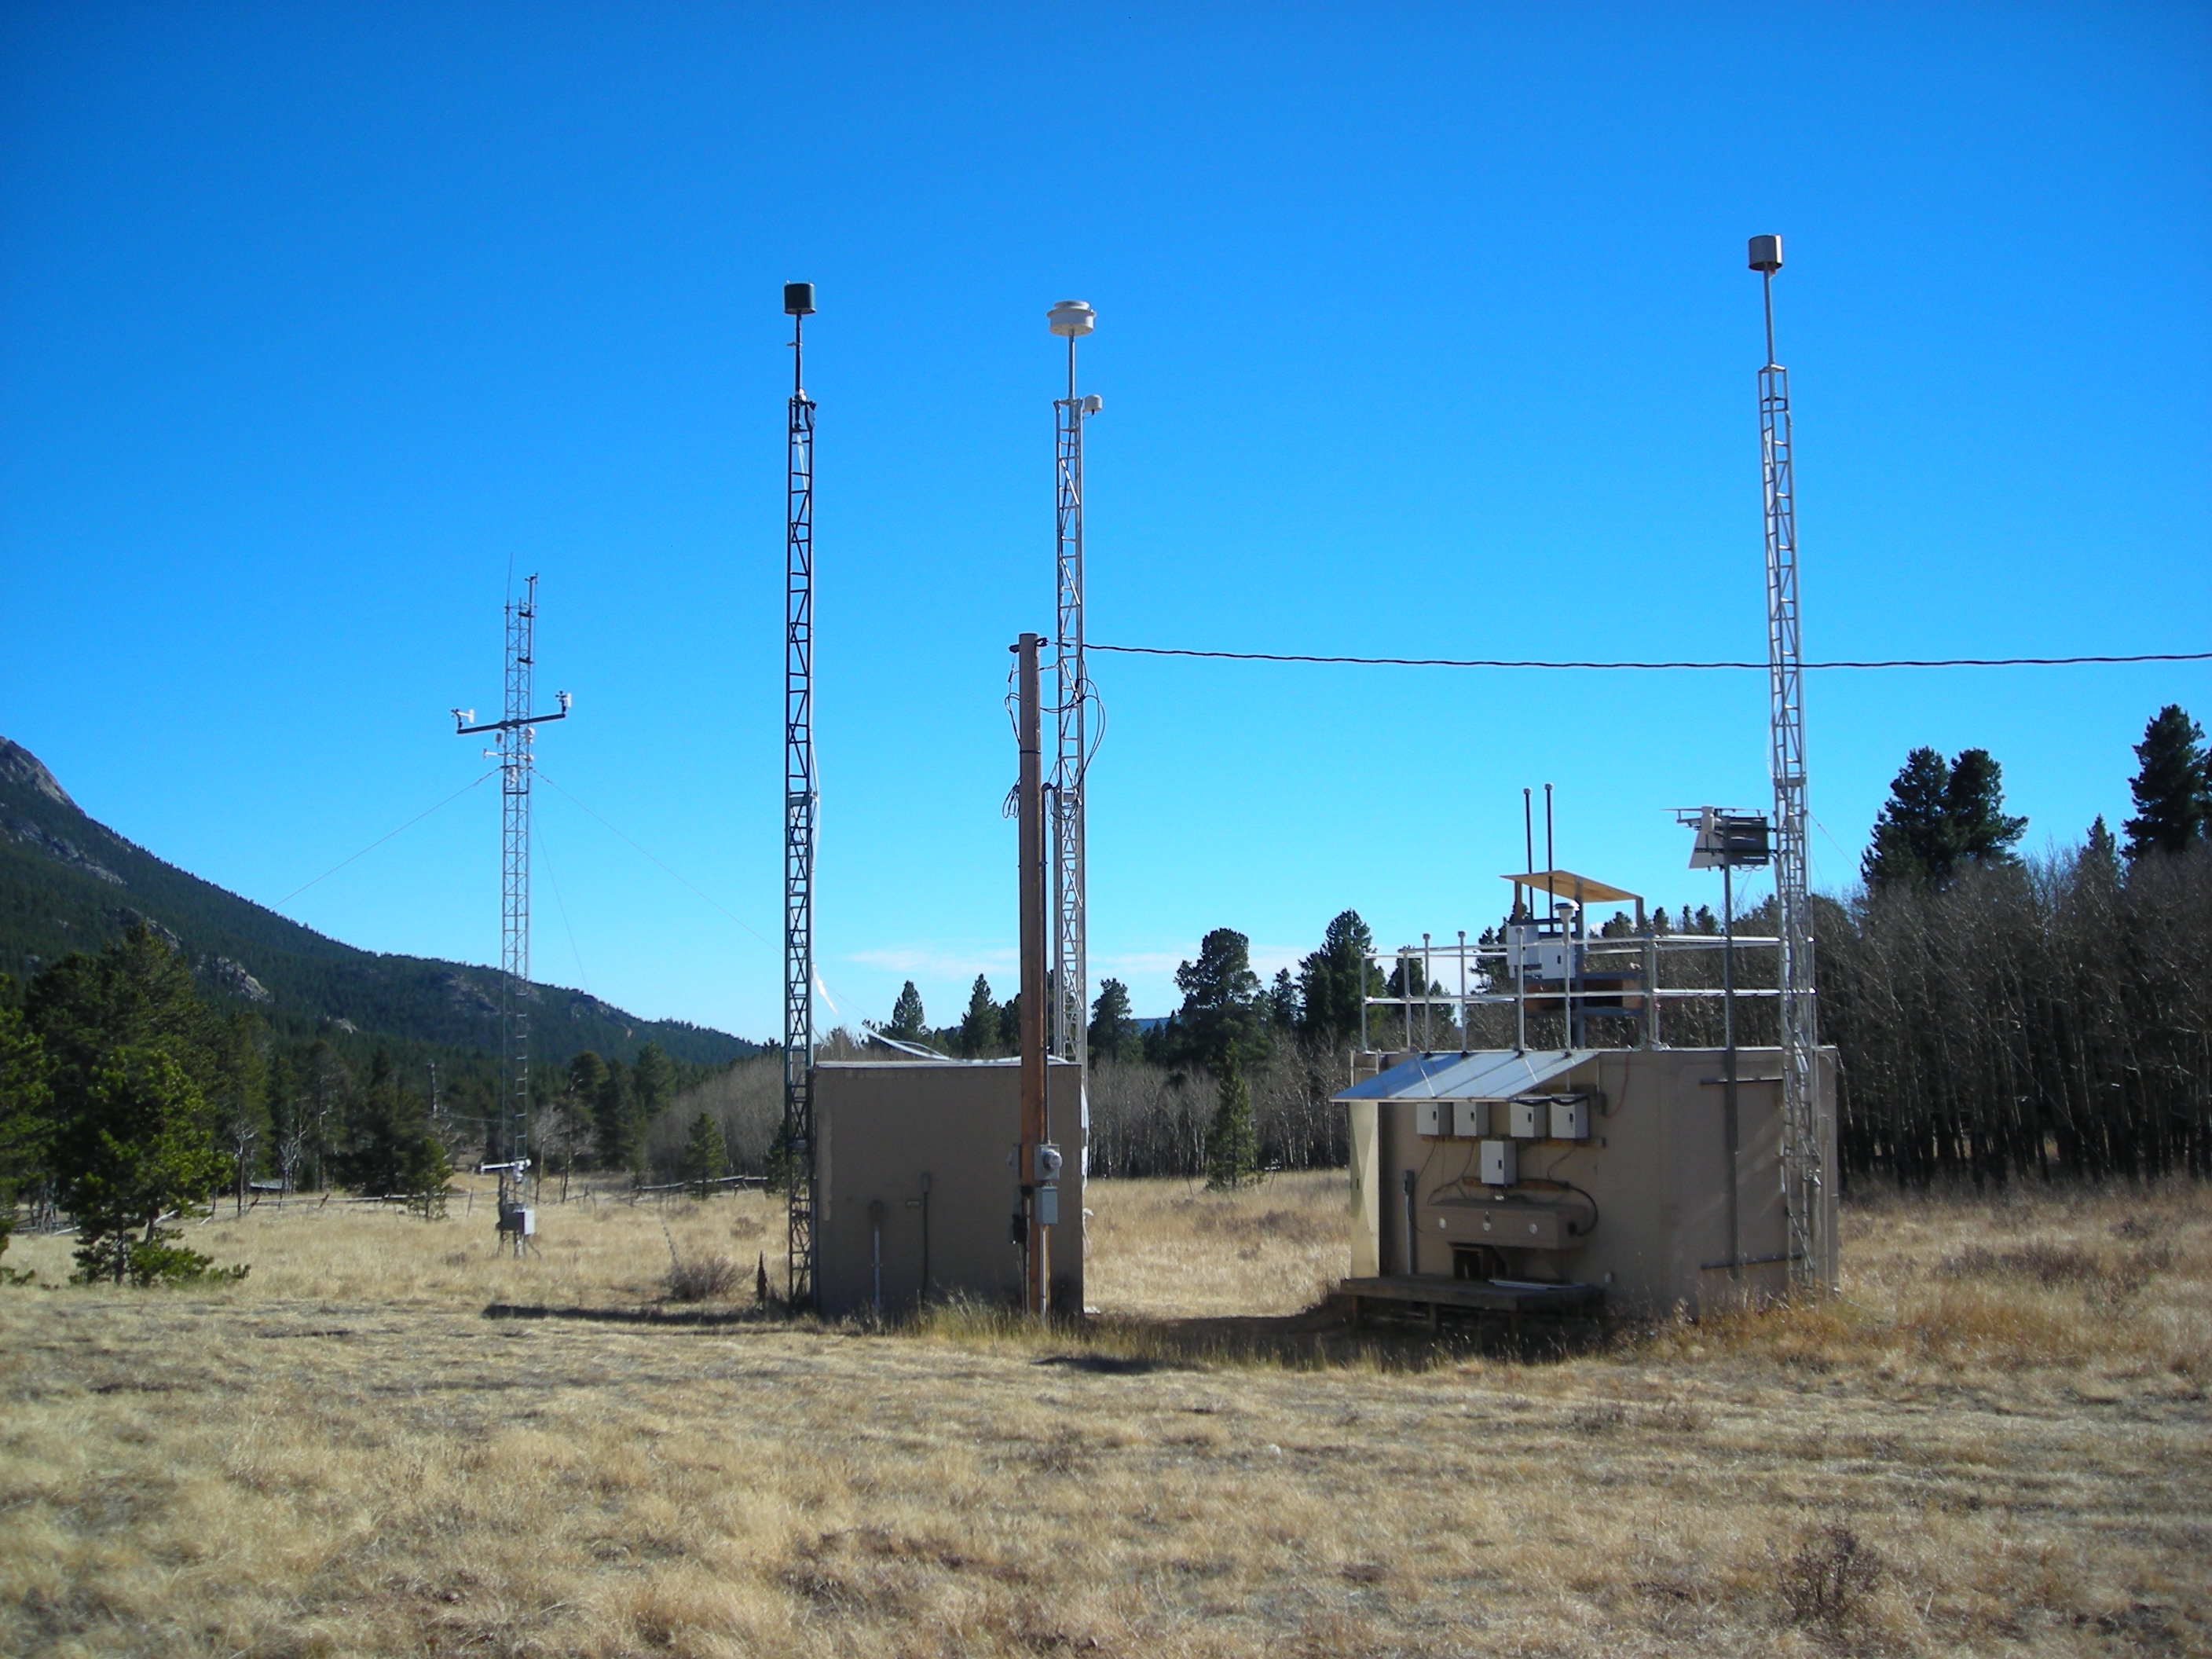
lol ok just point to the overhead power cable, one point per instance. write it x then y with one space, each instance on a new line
380 840
1501 662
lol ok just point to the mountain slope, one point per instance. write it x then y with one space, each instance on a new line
69 883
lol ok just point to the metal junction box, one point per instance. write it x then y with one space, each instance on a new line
1571 1120
1501 1163
1433 1118
1470 1119
1528 1119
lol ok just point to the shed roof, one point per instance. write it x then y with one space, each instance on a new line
1566 884
1484 1074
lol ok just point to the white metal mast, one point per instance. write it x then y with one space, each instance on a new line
1804 1176
511 746
1068 1032
801 796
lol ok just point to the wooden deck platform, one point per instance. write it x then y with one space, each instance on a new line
1436 1294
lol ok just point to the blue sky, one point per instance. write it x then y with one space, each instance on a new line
1424 331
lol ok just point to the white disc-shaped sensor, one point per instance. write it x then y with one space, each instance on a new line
1072 319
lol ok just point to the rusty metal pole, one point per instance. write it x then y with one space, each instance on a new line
1032 830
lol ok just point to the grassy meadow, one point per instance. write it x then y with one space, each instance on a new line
1997 1440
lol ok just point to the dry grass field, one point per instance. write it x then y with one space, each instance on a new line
1996 1441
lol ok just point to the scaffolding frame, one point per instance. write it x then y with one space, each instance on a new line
1805 1178
801 802
512 746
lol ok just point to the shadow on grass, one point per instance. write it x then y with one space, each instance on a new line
692 1318
1322 1338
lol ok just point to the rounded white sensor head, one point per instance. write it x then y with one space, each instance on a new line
1072 319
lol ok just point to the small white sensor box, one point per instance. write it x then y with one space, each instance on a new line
1501 1163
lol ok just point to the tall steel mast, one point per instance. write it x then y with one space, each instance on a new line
511 746
1812 1251
801 796
1069 1032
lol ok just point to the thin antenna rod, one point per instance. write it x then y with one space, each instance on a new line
1550 861
1036 1131
1528 836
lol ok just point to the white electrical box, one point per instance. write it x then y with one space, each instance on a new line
1432 1117
1571 1120
1501 1163
1533 952
1527 1120
1470 1119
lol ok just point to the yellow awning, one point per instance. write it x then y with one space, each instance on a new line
1566 884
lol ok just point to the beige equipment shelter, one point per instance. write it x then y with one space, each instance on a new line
917 1188
1495 1177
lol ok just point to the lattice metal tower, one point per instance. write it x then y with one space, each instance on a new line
1069 1031
801 798
512 743
1812 1251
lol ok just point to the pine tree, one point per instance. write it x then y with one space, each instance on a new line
908 1023
1938 816
1980 831
1232 1155
1220 1013
25 1126
652 1080
1281 1000
2100 857
1010 1024
1912 841
706 1156
1334 979
135 1146
136 993
391 1149
1112 1026
616 1132
2172 810
978 1026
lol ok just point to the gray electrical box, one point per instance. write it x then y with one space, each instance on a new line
1571 1120
1048 1207
1470 1119
1501 1163
1527 1120
1433 1118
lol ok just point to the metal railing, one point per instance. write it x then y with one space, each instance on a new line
1599 977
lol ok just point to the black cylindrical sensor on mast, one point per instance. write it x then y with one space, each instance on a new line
799 299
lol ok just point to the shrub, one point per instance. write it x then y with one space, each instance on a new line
1827 1580
702 1279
